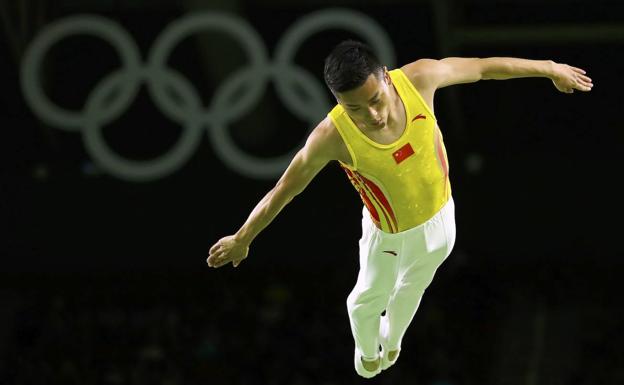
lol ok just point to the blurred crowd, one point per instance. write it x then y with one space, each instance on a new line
249 328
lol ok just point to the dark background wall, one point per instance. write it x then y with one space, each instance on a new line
104 280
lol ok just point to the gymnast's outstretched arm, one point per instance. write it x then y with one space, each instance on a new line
434 74
321 147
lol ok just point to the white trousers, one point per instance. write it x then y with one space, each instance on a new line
395 270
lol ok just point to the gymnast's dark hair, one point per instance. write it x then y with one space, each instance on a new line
349 64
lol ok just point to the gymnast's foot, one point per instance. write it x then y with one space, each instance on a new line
371 366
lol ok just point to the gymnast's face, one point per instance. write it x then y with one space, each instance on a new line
369 104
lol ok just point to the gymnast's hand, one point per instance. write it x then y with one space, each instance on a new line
567 78
227 249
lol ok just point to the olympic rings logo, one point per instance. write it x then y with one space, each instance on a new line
189 112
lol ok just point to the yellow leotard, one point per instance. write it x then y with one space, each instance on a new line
403 184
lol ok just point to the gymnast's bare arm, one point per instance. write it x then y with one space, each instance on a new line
322 146
430 74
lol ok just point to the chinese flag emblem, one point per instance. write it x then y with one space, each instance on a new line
403 153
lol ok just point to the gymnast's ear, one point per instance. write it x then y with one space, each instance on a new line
386 75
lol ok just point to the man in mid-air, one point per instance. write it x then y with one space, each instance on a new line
384 134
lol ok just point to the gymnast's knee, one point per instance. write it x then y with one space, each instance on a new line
368 301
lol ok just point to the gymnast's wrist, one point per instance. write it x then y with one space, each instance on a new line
243 237
550 70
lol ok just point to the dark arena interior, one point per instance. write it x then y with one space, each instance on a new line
136 134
